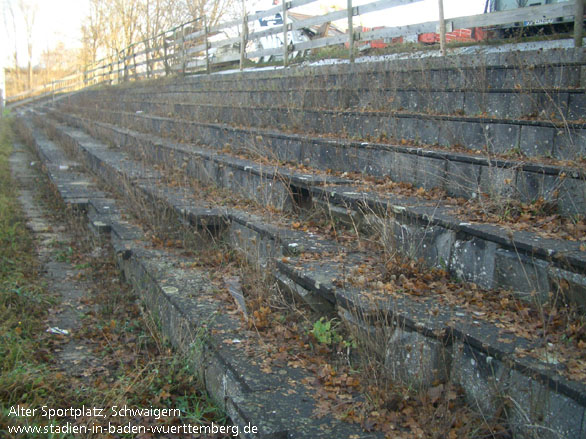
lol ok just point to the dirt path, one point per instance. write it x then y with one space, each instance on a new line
97 346
62 275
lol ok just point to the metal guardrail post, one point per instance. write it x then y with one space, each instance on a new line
285 36
579 23
206 30
442 28
243 37
350 30
183 52
147 49
134 62
125 62
165 55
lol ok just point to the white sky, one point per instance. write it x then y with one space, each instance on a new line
56 21
60 20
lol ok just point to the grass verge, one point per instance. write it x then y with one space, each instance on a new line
135 365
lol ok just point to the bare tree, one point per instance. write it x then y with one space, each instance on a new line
213 10
8 17
28 9
92 30
161 15
113 25
58 62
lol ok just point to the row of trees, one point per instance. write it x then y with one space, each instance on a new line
17 13
113 25
110 26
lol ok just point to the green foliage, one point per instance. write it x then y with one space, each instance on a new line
325 332
64 255
25 377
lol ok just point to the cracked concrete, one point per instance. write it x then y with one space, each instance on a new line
59 273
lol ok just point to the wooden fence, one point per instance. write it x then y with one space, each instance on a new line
195 46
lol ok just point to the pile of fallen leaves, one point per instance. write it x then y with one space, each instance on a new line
539 216
286 340
555 327
350 388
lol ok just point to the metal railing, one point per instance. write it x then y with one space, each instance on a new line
195 46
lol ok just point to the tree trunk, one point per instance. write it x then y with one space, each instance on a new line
30 74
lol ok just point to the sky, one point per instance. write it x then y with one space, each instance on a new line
56 21
60 20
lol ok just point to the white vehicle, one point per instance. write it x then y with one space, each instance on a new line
276 40
559 23
504 5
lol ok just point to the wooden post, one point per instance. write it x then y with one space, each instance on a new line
442 23
120 77
125 63
147 51
351 30
578 23
120 66
243 36
285 32
206 30
134 63
165 54
183 52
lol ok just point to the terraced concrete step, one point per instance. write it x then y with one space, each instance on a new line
459 174
465 349
116 165
546 104
266 183
500 85
489 255
561 139
509 69
187 307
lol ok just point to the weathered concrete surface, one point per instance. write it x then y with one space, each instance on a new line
493 83
419 230
459 174
60 275
475 252
191 315
435 336
545 138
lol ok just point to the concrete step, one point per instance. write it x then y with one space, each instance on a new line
507 85
267 183
458 174
546 104
526 70
187 306
561 139
430 230
452 340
